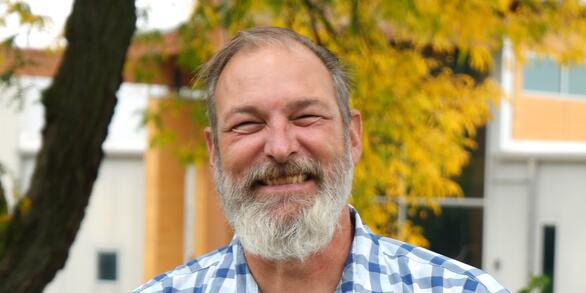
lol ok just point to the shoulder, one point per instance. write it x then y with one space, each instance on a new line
429 269
191 275
391 264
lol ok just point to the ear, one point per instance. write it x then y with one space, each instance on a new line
356 135
210 145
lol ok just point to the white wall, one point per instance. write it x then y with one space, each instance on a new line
561 193
529 184
14 107
113 223
518 206
115 215
8 135
506 220
8 149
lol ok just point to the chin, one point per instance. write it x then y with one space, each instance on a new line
287 209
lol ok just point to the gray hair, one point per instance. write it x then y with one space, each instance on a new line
257 37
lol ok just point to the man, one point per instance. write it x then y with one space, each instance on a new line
283 143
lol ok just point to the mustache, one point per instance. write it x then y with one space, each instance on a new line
271 170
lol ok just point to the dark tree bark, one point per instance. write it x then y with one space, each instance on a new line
79 105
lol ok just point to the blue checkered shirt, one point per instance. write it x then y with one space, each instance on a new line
375 264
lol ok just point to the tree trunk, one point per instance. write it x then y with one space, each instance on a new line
79 106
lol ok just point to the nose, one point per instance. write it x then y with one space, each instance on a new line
280 143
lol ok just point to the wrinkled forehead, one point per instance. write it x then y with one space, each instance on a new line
259 44
279 75
286 45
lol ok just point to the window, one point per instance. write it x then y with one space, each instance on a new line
542 75
546 75
107 266
577 80
456 233
548 257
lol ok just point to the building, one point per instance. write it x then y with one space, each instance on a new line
521 214
526 185
112 230
136 224
535 182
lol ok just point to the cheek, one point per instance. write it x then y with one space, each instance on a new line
324 144
239 153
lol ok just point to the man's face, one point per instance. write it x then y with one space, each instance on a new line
281 141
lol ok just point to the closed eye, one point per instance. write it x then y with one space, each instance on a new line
306 120
248 127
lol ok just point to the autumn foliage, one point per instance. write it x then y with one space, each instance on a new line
422 78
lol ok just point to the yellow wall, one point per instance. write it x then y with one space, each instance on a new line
553 118
164 204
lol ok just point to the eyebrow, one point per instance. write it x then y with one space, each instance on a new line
246 109
304 103
290 107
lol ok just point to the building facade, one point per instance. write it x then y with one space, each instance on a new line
150 211
111 235
535 179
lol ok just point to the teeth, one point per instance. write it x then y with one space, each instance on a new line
286 180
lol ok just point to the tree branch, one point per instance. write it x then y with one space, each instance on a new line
313 24
314 8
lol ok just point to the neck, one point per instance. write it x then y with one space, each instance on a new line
320 272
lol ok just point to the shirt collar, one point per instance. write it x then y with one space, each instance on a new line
364 256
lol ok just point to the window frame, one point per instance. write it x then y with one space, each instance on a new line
564 82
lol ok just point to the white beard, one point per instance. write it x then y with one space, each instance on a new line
256 220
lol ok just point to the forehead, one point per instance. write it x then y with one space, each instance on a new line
273 72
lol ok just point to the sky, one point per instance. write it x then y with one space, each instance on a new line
162 14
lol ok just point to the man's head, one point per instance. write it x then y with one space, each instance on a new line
271 36
283 141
